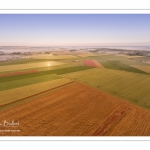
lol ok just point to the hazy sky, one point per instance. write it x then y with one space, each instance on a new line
74 30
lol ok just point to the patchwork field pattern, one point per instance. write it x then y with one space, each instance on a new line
21 92
21 82
117 65
76 93
77 110
127 85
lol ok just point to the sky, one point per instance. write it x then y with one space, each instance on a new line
74 29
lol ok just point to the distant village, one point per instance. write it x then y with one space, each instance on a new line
21 55
122 51
17 55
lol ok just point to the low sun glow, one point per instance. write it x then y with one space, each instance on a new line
48 64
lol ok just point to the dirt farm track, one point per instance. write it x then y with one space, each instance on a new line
76 110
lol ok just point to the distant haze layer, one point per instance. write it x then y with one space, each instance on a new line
40 49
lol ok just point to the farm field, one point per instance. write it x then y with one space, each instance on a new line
144 58
87 55
121 63
17 73
143 68
98 64
25 91
20 61
49 56
43 73
148 62
46 68
133 87
20 82
83 111
122 66
29 65
92 63
70 97
134 56
123 59
10 82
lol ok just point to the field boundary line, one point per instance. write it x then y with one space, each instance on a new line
123 100
37 94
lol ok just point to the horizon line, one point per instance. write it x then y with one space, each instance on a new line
80 46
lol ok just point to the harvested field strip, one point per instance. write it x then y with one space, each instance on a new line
34 95
21 92
29 65
77 110
17 73
27 81
130 86
41 73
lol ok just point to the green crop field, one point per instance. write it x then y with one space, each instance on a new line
42 73
121 63
121 66
20 82
127 85
11 95
107 64
123 59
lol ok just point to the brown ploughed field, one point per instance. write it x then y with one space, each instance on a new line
76 110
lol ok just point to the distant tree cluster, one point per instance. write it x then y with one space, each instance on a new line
16 53
1 53
47 52
72 50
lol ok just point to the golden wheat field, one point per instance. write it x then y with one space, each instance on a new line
77 110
